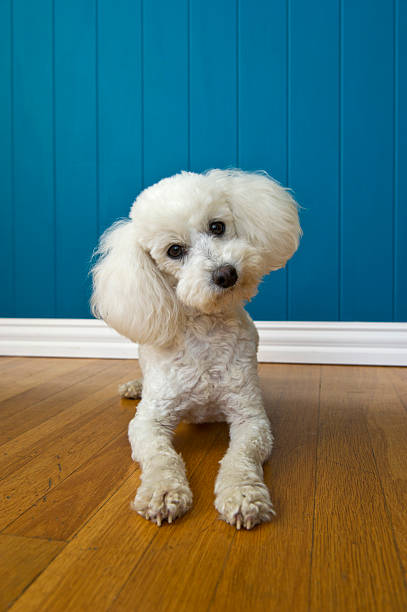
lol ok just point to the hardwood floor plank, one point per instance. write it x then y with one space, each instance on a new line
21 561
355 565
63 392
338 543
35 387
398 377
6 361
12 368
269 567
61 513
23 487
97 562
387 424
23 371
24 448
194 549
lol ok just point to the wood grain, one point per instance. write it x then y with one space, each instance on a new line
195 556
35 479
61 512
387 425
27 446
97 562
25 412
287 541
337 479
34 386
14 367
21 561
355 563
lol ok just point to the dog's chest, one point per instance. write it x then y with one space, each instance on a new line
211 360
214 357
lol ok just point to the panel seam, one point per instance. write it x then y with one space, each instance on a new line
12 153
142 171
54 171
237 85
288 142
395 154
340 156
97 119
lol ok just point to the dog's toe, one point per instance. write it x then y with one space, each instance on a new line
164 503
245 506
131 389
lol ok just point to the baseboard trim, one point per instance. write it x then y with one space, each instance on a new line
280 342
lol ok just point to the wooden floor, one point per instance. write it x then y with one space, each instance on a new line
338 477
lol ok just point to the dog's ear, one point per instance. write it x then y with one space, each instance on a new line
129 292
265 214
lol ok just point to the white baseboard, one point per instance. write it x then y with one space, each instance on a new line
281 342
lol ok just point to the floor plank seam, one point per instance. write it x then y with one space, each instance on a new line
35 385
105 405
315 489
137 564
24 537
221 573
387 509
79 530
402 402
47 397
38 403
145 551
93 514
34 579
67 543
64 480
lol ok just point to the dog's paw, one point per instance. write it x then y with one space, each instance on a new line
162 503
131 389
245 505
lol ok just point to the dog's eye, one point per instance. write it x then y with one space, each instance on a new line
176 251
217 228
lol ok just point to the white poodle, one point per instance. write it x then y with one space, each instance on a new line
174 278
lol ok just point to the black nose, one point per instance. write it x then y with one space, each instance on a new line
225 276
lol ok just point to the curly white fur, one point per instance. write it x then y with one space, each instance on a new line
197 344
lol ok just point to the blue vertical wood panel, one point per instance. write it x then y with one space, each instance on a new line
401 162
6 198
314 157
119 107
165 85
33 158
101 98
213 84
367 168
262 120
75 149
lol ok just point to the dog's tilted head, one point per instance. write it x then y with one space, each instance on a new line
193 242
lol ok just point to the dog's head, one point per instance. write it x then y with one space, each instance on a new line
193 242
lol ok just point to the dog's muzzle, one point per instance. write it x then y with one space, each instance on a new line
225 276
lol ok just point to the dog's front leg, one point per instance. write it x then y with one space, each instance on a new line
242 498
164 493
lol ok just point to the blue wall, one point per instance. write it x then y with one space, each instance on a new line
102 97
